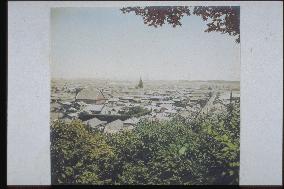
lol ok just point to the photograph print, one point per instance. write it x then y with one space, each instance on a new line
145 95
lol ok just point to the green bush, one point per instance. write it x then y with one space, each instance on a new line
203 151
79 156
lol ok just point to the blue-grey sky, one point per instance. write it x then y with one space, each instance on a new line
105 43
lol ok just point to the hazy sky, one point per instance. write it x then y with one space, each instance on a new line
105 43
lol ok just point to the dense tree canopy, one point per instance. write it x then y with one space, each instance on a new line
223 19
203 151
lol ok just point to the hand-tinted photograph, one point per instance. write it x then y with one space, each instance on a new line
145 95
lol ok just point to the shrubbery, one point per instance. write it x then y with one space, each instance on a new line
203 151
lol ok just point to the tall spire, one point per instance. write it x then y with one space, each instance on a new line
140 85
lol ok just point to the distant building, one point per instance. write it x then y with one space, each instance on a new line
131 122
114 127
156 98
72 110
167 106
91 96
166 102
170 112
228 96
94 108
194 99
65 103
72 115
113 100
127 98
185 114
95 123
140 84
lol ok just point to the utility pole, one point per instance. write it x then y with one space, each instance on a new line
231 96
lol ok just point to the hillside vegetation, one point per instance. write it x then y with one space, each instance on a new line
202 151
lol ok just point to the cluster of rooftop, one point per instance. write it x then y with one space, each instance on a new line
111 107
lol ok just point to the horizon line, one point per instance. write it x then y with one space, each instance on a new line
88 78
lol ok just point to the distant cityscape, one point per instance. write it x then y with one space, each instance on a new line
144 95
114 106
